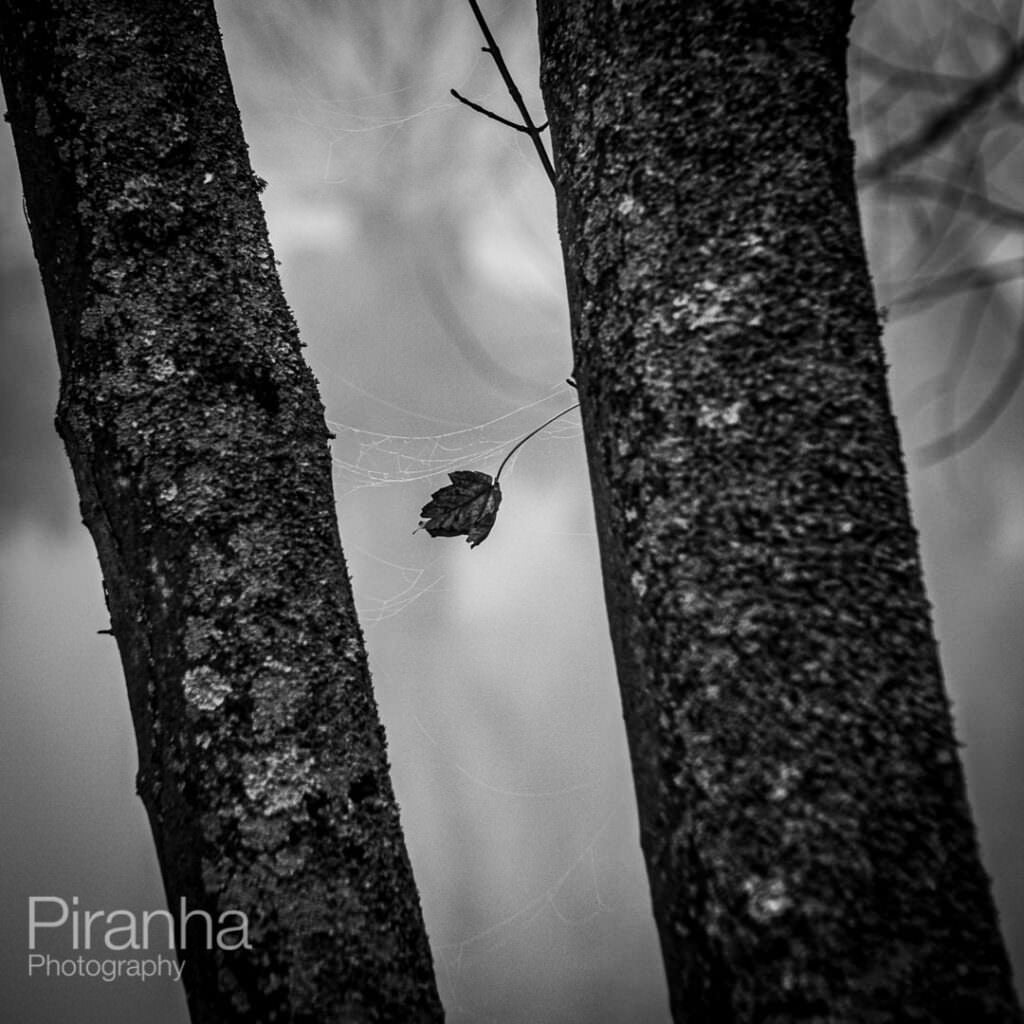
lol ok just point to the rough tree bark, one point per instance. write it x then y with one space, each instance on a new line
804 820
198 444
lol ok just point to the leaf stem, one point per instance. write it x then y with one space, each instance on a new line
536 430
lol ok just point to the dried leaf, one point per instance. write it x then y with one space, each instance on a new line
468 505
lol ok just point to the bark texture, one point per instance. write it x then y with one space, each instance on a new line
196 435
803 814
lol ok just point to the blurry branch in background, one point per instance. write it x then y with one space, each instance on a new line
971 429
477 357
534 131
959 199
946 121
969 279
936 104
941 389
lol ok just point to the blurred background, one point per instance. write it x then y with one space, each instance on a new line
419 252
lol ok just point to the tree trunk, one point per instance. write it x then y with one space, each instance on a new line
197 440
803 813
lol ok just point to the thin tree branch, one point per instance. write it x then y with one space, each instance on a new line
513 90
946 121
493 116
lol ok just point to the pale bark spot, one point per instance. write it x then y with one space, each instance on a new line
205 689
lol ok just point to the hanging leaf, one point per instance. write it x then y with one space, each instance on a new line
468 505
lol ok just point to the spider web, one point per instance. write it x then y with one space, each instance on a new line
569 895
371 460
581 875
368 458
554 905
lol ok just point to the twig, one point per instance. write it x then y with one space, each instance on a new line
492 115
534 131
